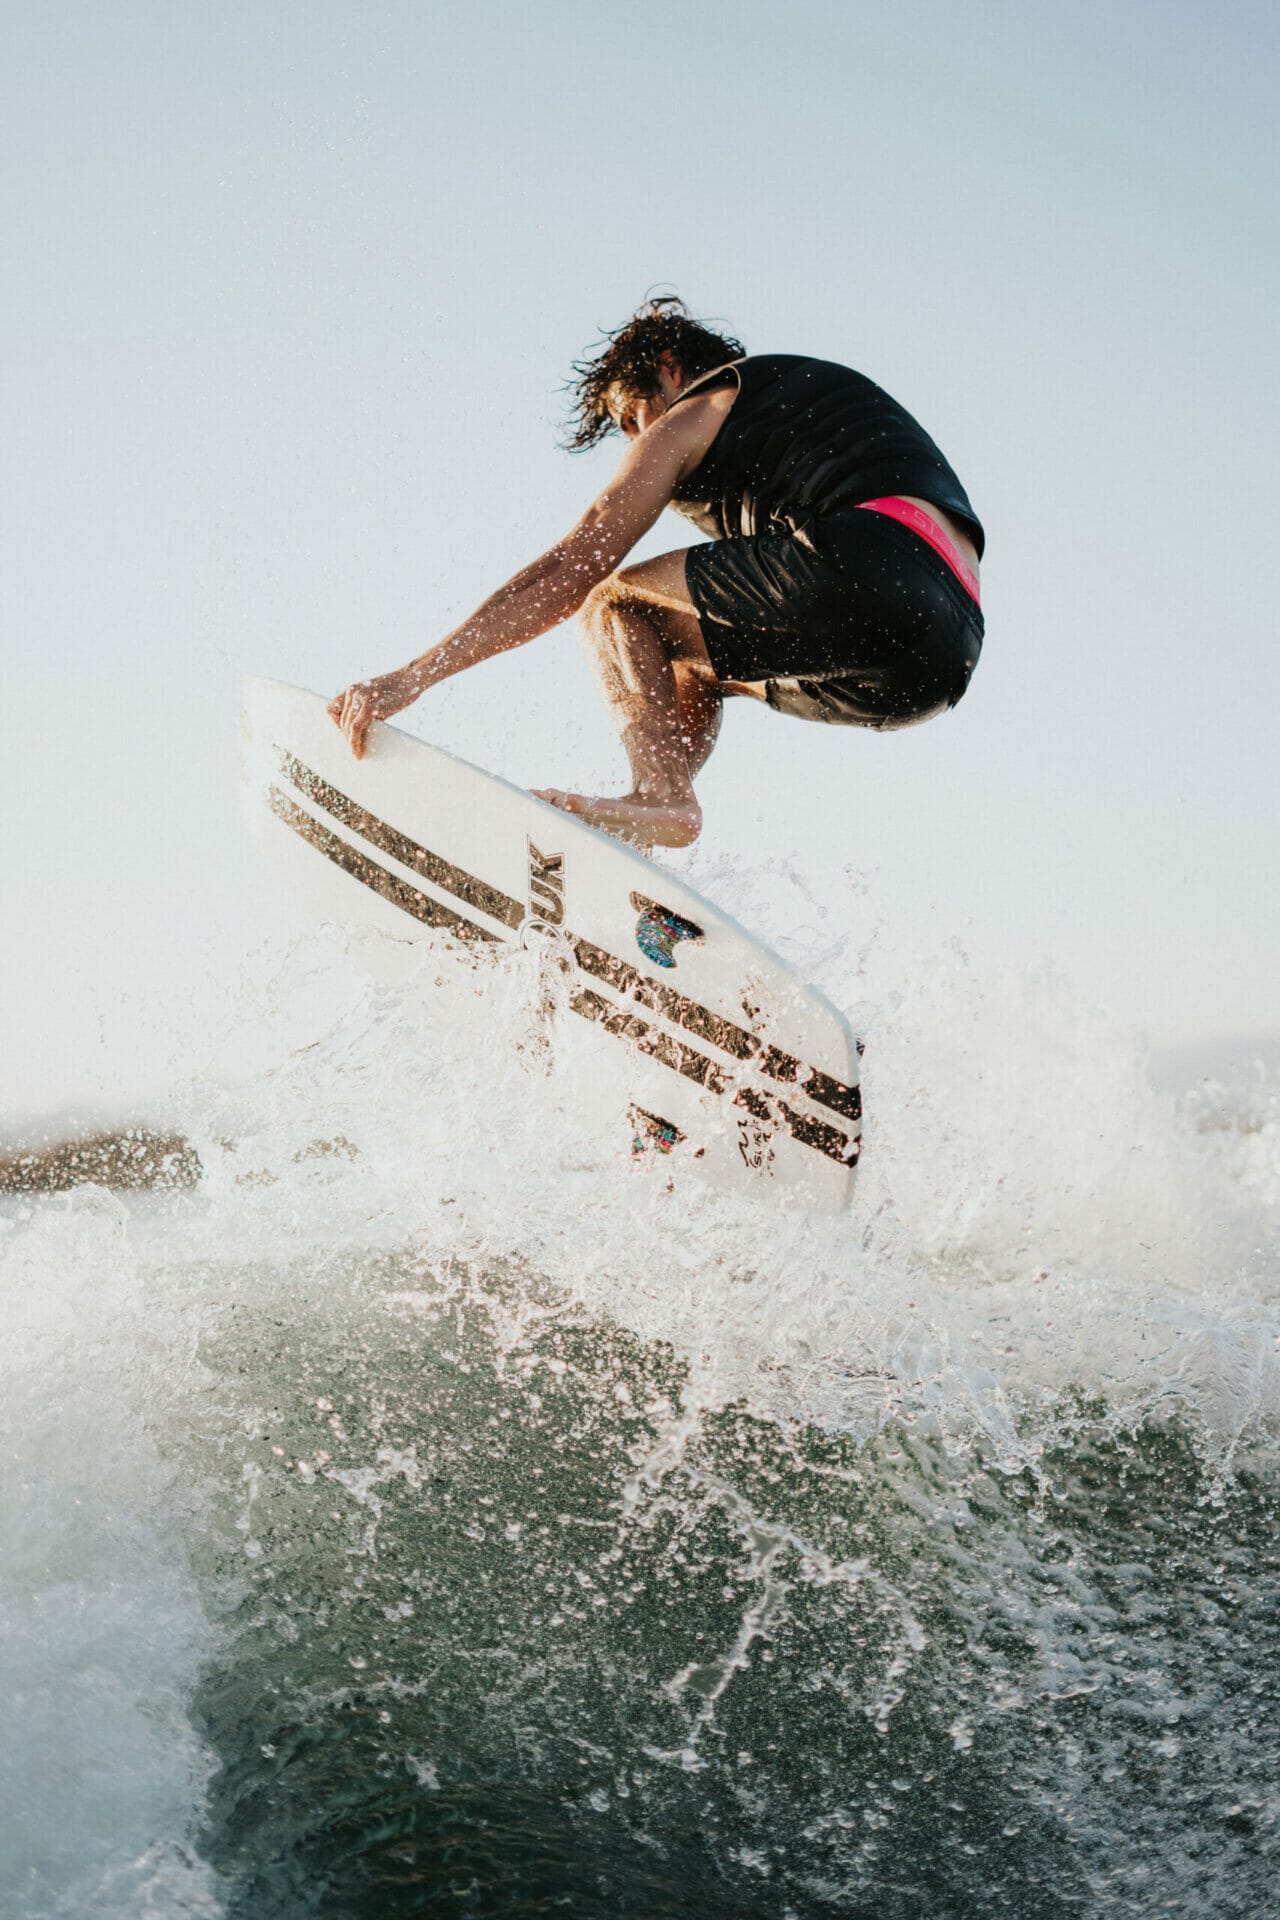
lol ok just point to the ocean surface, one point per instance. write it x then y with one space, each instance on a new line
433 1512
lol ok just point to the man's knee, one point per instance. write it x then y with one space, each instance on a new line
627 594
618 593
604 599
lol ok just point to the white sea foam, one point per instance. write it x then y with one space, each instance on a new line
1032 1217
1032 1221
102 1628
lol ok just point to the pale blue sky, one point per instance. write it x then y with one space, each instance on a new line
290 290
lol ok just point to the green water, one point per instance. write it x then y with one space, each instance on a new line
532 1630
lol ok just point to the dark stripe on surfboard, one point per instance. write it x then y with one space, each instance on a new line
651 1040
715 1028
801 1126
432 913
822 1087
697 1066
388 839
695 1018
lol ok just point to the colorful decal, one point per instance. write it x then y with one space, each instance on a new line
653 1133
659 930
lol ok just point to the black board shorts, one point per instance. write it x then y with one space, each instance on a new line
851 619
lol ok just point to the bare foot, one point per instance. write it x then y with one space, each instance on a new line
631 816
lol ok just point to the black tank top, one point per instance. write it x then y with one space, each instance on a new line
809 437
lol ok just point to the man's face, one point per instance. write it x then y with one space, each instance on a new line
633 413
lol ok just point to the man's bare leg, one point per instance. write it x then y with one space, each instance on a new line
657 680
701 699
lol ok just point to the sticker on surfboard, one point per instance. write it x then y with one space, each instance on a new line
660 929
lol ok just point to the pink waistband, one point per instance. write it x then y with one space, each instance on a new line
910 515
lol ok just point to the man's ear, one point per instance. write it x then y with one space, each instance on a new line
672 368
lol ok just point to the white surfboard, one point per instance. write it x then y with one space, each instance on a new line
707 1049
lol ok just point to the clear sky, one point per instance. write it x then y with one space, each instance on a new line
290 290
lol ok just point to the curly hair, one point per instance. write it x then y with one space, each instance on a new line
631 357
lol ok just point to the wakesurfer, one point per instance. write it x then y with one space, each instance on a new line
838 581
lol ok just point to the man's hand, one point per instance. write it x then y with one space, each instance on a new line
356 709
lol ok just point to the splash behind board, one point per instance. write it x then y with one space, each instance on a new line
707 1049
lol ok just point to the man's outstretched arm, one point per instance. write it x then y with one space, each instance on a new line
553 588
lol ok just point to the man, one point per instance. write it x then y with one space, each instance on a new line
840 583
